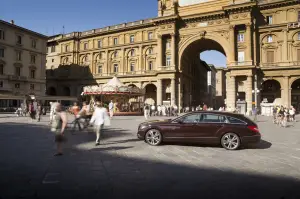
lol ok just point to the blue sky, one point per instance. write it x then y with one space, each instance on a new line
49 16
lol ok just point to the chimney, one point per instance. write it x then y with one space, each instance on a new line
12 22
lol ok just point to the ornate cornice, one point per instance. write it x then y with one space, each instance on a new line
265 4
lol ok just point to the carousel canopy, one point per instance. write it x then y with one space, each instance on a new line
113 86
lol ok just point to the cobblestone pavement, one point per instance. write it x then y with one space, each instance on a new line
124 167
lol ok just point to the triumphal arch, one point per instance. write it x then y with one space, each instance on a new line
161 55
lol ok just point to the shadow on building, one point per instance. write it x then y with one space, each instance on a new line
68 80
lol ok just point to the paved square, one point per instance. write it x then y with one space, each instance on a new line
124 167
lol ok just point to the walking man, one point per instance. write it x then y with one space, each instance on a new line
111 109
59 124
98 118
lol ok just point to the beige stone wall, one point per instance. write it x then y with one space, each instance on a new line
179 35
10 62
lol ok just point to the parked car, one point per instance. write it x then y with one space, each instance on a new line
210 127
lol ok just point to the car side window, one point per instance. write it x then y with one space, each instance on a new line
213 118
233 120
191 119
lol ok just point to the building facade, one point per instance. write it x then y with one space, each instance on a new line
260 40
22 64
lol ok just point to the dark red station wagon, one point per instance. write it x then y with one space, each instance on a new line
210 127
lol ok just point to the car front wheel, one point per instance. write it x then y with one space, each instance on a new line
230 141
153 137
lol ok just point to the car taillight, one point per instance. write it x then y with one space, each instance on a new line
253 128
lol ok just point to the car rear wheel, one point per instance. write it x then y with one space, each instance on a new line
153 137
230 141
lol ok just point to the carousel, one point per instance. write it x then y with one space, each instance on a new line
128 100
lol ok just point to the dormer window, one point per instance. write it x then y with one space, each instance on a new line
115 41
19 39
85 46
132 39
269 20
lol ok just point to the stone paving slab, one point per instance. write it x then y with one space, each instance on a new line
124 167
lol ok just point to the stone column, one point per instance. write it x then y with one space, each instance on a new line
285 92
249 43
159 92
159 51
173 49
140 67
285 46
249 98
173 92
231 92
232 44
107 62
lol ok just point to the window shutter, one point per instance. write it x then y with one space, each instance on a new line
270 56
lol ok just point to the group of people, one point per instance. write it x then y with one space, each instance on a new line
282 115
160 110
98 117
34 109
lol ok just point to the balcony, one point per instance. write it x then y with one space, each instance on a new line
17 78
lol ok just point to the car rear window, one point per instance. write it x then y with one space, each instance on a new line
213 118
233 120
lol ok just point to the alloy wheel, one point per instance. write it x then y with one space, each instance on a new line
230 141
153 137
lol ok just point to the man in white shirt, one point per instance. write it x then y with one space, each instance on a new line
98 119
111 109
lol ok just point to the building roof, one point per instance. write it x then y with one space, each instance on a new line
23 29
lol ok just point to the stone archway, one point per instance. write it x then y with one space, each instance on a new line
221 45
195 82
295 91
150 94
271 91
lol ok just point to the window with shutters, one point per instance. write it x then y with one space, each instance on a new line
1 69
1 52
270 56
1 34
150 65
100 69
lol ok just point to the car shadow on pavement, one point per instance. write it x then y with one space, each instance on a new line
262 145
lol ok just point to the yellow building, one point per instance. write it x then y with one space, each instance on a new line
22 64
260 39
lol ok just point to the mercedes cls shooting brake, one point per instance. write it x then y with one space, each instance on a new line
227 129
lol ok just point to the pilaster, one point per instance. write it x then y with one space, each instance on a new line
159 92
249 98
173 92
